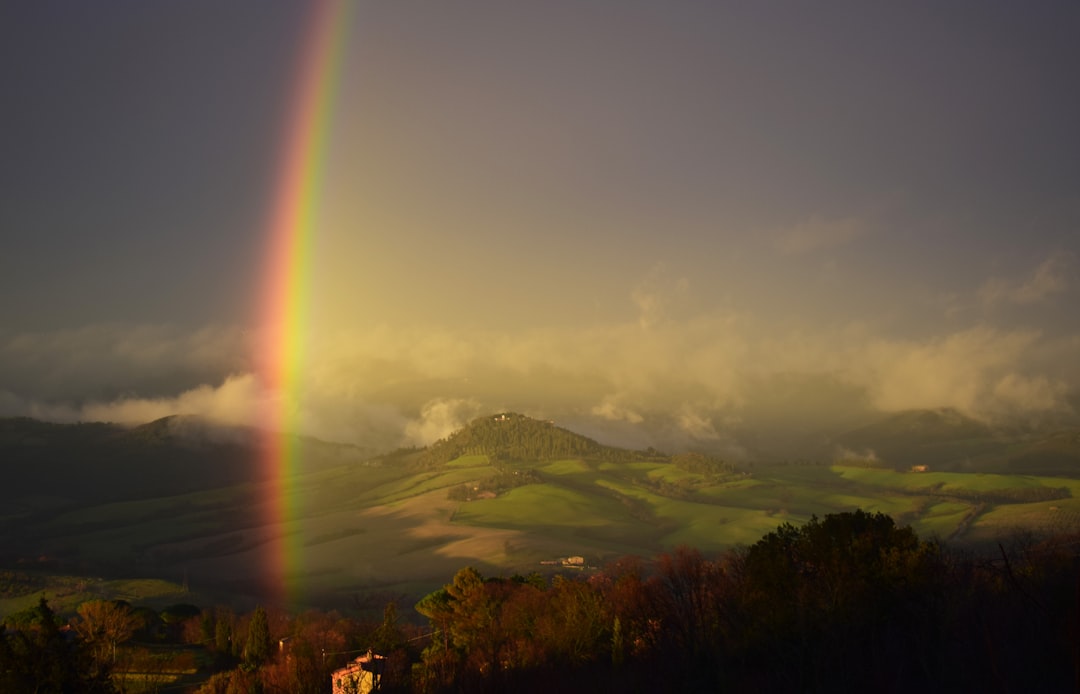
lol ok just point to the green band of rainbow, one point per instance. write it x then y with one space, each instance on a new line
286 298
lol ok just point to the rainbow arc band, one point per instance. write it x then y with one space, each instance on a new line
284 311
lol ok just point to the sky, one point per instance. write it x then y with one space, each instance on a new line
677 223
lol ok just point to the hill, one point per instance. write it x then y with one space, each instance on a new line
947 440
106 462
503 494
512 436
51 470
1056 453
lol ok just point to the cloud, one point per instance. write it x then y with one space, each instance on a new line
705 380
655 293
696 424
1049 278
816 233
610 409
440 418
979 371
107 361
1014 394
238 400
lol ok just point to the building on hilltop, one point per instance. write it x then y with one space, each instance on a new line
361 676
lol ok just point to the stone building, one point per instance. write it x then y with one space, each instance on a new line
361 676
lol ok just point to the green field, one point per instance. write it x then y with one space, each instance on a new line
66 592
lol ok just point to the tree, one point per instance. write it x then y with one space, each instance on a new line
223 637
40 659
833 599
387 636
575 627
688 593
104 624
257 650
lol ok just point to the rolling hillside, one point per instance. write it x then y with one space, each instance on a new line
504 494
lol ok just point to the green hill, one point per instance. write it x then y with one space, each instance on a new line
512 436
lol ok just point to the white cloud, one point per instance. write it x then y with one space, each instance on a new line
440 418
238 400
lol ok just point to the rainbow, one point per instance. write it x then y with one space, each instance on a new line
285 299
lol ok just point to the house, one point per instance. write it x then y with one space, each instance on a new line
361 676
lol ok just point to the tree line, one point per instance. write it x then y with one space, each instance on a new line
847 602
502 481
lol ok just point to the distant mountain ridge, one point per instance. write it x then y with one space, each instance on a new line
171 455
185 453
948 440
191 430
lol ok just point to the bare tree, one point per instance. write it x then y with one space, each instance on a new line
104 624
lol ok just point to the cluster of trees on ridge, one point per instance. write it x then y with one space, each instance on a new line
503 480
510 436
847 602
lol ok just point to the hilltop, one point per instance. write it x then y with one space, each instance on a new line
513 436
